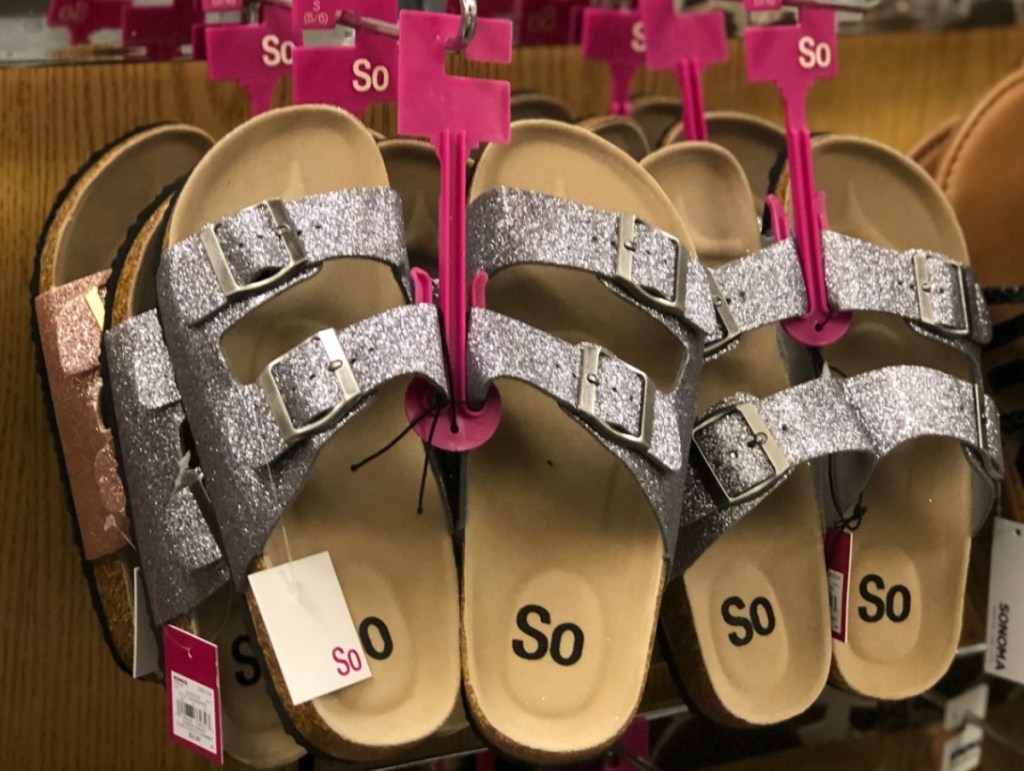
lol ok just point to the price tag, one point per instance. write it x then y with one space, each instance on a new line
1004 656
146 659
309 624
193 693
838 557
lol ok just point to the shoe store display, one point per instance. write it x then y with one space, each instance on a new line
473 414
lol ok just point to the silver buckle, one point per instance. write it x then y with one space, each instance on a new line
675 305
725 318
587 403
926 306
764 440
991 466
285 230
342 368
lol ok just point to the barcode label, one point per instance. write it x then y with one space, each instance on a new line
836 587
194 719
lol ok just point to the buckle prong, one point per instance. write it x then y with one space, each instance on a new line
283 227
338 363
676 305
725 318
926 304
763 439
590 381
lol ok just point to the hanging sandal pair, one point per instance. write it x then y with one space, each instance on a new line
747 621
239 302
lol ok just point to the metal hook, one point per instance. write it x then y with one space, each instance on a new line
467 26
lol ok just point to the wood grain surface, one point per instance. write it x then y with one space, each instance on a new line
66 706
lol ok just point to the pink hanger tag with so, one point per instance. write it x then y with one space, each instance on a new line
161 30
193 693
83 17
794 58
256 56
352 77
685 43
618 38
455 114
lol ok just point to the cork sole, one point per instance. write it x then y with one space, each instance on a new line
563 564
746 630
81 237
910 553
392 564
251 729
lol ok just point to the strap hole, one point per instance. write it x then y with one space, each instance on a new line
593 380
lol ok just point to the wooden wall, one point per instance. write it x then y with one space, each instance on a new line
65 704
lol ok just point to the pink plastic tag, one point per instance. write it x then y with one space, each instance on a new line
83 17
794 58
456 114
161 30
222 6
550 22
685 43
618 38
256 56
838 558
193 693
352 77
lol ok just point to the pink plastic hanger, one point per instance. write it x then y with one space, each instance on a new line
353 77
794 58
456 114
83 17
685 43
256 56
618 38
161 30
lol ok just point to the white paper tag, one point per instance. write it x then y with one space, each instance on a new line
310 627
963 751
1004 656
146 660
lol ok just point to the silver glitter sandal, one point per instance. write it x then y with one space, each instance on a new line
292 337
896 244
184 574
593 334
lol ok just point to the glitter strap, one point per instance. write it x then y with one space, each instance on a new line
319 384
262 247
180 559
507 227
745 448
617 403
940 297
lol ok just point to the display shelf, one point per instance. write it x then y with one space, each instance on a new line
68 705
